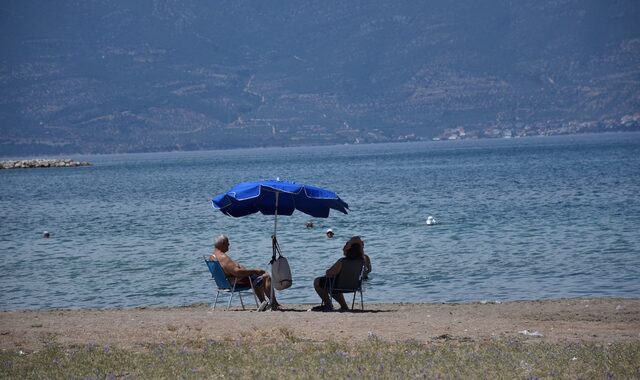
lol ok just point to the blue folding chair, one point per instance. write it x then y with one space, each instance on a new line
224 285
349 280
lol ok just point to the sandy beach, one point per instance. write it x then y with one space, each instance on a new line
605 320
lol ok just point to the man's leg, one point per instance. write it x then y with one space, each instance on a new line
266 280
259 292
322 291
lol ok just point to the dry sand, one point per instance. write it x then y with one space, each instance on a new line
605 320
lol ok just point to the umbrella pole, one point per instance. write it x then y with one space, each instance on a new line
275 223
273 246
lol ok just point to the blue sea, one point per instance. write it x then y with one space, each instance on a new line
518 219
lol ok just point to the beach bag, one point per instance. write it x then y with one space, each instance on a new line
280 270
281 273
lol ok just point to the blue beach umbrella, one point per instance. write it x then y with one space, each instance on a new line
275 197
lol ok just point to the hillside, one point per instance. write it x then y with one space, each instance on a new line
101 76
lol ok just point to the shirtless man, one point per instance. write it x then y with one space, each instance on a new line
260 279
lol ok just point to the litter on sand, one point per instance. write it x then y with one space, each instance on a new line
530 333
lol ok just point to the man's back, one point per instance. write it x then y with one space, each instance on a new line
227 264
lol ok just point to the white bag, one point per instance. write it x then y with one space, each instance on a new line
281 273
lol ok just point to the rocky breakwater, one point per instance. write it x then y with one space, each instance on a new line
41 163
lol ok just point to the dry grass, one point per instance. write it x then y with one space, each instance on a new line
289 357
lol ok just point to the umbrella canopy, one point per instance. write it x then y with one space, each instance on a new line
275 197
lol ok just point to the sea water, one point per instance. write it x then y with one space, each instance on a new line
517 219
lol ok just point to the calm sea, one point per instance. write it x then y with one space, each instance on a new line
533 218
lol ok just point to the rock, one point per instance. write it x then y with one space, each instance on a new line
41 163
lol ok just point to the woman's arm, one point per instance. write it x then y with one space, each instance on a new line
367 264
335 269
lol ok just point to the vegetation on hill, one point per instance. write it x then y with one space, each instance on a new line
119 76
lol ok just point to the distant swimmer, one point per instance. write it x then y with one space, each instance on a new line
46 235
329 233
431 221
309 224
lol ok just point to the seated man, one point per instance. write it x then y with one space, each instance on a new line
353 252
260 279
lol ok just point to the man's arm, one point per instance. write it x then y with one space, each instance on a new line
231 268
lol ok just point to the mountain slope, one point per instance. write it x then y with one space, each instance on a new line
116 76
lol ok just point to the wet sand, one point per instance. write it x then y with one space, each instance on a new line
604 320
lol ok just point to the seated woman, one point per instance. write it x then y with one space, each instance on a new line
354 256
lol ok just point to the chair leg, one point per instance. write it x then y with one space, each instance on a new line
353 302
233 290
216 301
255 298
253 290
230 299
241 303
361 300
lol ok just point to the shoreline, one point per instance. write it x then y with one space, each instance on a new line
332 145
599 320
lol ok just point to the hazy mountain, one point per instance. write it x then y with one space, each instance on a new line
114 76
